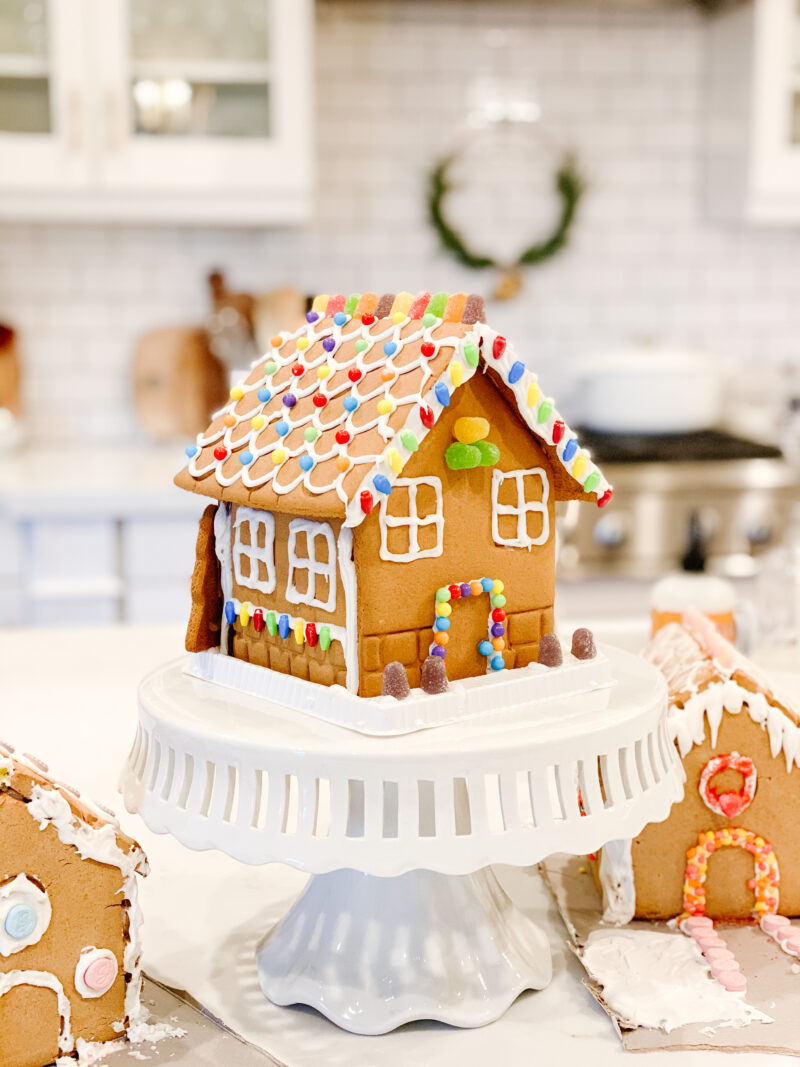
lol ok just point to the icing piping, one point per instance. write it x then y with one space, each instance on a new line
45 980
730 804
521 509
413 522
767 875
254 520
615 871
21 891
311 564
347 573
222 547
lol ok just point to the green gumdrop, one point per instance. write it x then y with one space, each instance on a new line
270 367
310 433
591 482
272 624
471 354
489 453
351 303
409 440
360 345
437 304
462 457
545 411
325 638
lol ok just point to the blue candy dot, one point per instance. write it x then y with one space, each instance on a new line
264 395
516 372
390 348
340 318
290 400
282 428
570 449
329 344
497 663
442 624
283 626
20 922
191 451
350 403
245 458
488 584
486 648
230 612
311 316
442 395
306 462
382 483
438 650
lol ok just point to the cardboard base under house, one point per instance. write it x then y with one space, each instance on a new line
773 977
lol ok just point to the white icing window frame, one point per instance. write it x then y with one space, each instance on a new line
309 563
521 509
413 522
254 518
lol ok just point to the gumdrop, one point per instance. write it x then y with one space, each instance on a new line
550 651
583 644
395 681
434 675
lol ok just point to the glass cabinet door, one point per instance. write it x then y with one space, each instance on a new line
24 67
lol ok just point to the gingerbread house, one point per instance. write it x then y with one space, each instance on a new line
70 971
731 848
385 481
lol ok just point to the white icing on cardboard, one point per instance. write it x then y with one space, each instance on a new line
615 872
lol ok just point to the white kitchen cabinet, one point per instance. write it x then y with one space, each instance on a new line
156 110
753 129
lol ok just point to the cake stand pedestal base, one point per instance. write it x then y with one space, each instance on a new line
373 953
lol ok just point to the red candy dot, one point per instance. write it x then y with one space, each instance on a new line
298 369
319 400
354 374
311 634
604 499
428 349
498 347
366 501
498 615
558 431
368 319
426 414
342 437
258 620
455 591
220 452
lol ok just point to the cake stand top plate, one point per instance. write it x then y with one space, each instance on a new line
220 769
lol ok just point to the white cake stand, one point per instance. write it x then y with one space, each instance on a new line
404 918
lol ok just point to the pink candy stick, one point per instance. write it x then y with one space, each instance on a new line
721 955
791 944
784 932
771 923
710 941
696 923
733 981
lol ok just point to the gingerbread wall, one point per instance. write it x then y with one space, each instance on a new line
396 600
659 852
87 909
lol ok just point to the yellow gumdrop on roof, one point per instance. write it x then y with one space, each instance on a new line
468 430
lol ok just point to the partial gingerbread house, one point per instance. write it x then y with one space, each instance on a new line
386 480
731 848
70 967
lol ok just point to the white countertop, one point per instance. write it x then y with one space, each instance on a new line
71 699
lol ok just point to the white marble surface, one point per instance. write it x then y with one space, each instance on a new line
70 697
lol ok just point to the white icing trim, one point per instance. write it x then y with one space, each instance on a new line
338 633
311 564
615 872
521 509
90 955
254 520
22 891
222 547
347 571
44 980
413 522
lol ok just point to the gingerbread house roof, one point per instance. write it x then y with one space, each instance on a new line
326 421
707 677
91 828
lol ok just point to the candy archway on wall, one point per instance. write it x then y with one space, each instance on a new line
493 644
765 884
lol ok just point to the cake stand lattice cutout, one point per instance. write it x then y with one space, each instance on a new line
403 919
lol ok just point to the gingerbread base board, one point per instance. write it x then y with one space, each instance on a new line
772 989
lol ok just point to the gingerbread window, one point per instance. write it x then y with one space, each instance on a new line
412 520
254 549
520 518
312 564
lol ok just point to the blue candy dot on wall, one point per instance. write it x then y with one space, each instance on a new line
282 428
245 458
264 395
230 612
497 663
20 922
350 403
516 372
488 584
486 648
570 449
382 483
340 318
284 627
442 395
191 451
390 348
442 624
306 462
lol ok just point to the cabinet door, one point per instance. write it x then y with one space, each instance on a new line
776 115
207 98
43 96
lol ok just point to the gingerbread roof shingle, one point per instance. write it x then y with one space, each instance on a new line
327 419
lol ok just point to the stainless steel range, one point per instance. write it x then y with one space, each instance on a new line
702 500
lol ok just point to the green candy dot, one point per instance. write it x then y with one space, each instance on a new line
591 482
471 354
437 304
443 594
490 453
360 344
544 412
351 303
325 638
409 440
272 623
428 319
498 600
271 367
460 457
310 433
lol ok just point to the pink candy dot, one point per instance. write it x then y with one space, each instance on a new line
792 944
100 975
710 941
734 981
785 932
697 922
721 955
771 923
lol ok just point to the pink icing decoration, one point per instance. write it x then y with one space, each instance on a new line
100 975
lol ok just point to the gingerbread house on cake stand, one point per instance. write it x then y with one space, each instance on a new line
380 555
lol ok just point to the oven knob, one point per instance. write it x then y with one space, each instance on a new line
610 531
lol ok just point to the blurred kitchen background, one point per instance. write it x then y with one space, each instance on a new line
177 175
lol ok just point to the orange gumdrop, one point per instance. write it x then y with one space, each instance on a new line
441 638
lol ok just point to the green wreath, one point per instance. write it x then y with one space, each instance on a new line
569 185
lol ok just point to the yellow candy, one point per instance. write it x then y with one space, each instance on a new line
498 587
468 430
320 304
257 422
237 392
443 610
303 342
398 317
395 460
402 302
299 636
578 467
456 372
244 614
533 394
278 456
385 406
323 372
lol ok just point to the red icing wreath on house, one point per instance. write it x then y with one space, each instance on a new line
731 803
